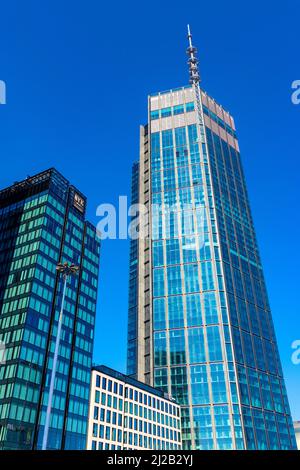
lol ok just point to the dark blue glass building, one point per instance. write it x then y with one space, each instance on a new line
42 222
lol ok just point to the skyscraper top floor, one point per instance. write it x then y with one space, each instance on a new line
45 180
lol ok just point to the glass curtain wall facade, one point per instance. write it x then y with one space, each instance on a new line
204 327
42 222
133 283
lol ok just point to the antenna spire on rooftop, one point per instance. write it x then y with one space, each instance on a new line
193 61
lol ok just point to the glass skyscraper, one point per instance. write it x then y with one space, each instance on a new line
42 222
200 326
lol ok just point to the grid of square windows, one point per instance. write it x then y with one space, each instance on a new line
122 416
172 110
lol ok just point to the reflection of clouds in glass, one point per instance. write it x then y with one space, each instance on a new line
189 244
193 243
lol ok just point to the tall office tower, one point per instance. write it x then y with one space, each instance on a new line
203 331
42 223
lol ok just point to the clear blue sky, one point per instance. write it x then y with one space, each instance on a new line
78 74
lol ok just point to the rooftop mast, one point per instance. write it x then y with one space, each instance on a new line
195 81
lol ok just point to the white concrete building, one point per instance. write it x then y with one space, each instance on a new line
125 414
297 433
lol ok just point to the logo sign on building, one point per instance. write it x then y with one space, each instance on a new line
79 202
